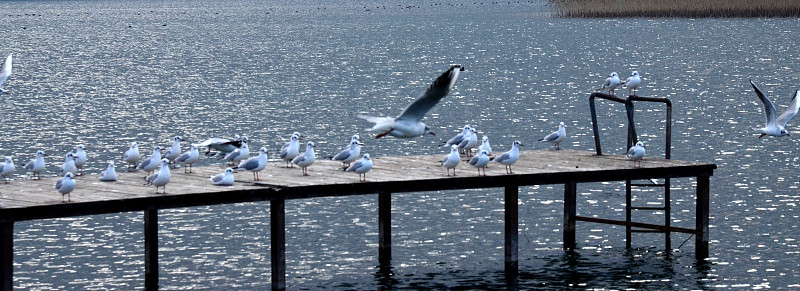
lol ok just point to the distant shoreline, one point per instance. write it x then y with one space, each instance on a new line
673 8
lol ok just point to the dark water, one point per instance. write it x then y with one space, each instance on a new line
105 73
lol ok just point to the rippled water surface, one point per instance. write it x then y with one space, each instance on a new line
105 73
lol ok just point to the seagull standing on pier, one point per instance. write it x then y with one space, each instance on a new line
151 164
305 160
632 83
224 179
291 149
361 167
349 154
80 159
7 168
36 166
458 137
160 178
485 146
409 124
557 136
775 126
132 156
510 157
451 160
189 158
239 154
636 153
110 174
611 83
223 145
5 71
69 165
255 164
480 161
175 151
65 186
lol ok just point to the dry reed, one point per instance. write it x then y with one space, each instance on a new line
674 8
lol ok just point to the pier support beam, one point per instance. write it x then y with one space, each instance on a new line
7 254
277 225
384 228
151 249
512 229
570 212
701 238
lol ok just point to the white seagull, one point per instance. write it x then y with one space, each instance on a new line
5 72
485 146
80 158
243 152
7 168
775 126
469 142
361 167
175 151
458 137
69 165
36 166
132 156
557 136
110 174
349 154
189 158
611 83
409 124
305 160
632 83
224 179
291 149
636 153
510 157
451 160
160 178
152 163
65 185
480 161
255 164
223 145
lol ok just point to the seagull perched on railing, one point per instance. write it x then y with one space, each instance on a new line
611 83
632 83
775 126
409 124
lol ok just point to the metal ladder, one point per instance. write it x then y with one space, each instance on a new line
631 140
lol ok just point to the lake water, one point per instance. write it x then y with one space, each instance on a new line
105 73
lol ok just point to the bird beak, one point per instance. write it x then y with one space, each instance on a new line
431 132
361 144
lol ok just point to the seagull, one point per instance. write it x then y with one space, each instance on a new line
69 165
451 160
175 151
469 142
223 145
65 186
636 153
36 165
189 158
110 174
485 146
361 167
291 149
224 179
612 82
160 178
510 157
458 137
132 156
80 158
557 136
5 72
775 126
239 154
632 82
349 154
151 164
7 168
409 124
305 160
255 164
480 161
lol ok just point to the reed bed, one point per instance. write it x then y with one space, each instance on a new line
674 8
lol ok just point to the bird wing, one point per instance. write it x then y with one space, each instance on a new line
550 137
769 108
501 158
59 183
144 164
354 167
249 164
438 90
217 178
213 140
631 151
344 155
474 160
184 156
6 70
791 111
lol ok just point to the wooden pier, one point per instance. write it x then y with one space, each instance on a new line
36 199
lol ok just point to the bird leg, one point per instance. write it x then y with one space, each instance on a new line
255 176
762 135
384 134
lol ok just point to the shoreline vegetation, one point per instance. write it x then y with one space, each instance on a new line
673 8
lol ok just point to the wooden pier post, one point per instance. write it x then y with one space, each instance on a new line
7 254
628 208
277 223
384 228
570 212
701 238
512 230
151 249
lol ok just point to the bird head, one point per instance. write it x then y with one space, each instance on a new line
428 131
366 157
229 171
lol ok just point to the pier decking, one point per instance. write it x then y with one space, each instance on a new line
36 199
